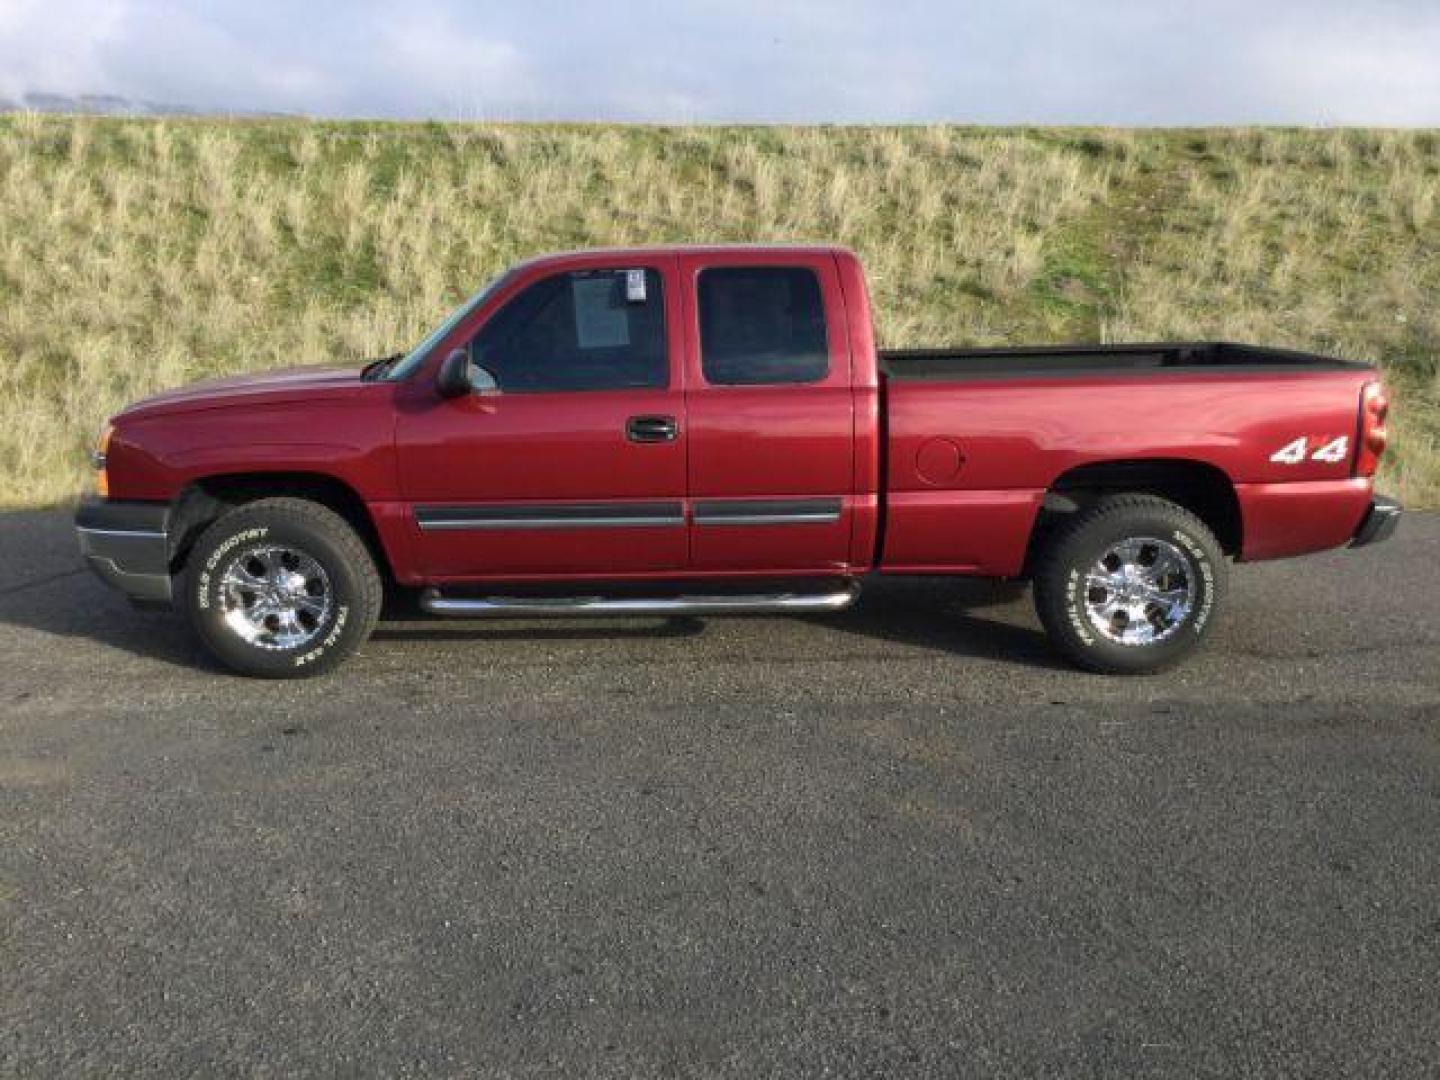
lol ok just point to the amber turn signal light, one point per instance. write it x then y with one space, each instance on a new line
99 458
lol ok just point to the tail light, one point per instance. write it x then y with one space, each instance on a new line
1374 408
98 458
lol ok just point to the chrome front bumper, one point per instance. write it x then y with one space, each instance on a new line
127 544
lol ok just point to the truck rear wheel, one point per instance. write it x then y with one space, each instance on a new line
1130 586
281 588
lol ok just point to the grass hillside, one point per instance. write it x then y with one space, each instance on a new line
138 254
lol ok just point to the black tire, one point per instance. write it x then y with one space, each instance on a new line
1063 597
350 586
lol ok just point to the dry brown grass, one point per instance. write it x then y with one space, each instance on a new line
1325 241
136 255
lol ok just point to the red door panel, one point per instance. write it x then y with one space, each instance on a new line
557 483
519 484
771 467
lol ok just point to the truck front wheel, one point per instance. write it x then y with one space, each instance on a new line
1131 585
281 588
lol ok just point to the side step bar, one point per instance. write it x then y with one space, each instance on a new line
501 607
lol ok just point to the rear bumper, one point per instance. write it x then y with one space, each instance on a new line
1379 523
127 544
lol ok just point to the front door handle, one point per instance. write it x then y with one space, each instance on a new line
652 429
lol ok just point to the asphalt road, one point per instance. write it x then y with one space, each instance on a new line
902 841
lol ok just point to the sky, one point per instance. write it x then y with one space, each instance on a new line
1122 62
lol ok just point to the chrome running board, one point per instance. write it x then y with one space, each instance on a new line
501 607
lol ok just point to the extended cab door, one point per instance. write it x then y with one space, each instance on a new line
573 464
771 412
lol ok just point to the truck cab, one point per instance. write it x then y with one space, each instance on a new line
640 413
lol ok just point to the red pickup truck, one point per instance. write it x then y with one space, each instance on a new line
712 429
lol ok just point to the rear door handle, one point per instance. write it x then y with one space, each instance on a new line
652 429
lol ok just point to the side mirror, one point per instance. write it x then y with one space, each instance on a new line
458 377
453 379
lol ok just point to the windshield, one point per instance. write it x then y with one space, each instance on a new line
416 356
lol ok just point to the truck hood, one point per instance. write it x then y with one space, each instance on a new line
295 383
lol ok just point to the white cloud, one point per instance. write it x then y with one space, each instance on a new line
1354 70
450 68
1105 61
54 47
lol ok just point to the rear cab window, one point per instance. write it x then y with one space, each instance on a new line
761 326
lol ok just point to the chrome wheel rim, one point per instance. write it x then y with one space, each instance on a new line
275 597
1140 591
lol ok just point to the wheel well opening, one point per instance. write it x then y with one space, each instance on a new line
205 500
1202 489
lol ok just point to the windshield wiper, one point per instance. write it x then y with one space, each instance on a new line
378 369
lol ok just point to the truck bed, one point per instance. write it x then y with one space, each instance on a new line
976 437
1049 360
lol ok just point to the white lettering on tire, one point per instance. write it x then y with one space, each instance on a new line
1073 587
219 553
314 654
1207 574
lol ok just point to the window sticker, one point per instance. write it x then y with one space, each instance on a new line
635 286
600 323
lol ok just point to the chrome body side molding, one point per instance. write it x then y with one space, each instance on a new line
551 516
767 511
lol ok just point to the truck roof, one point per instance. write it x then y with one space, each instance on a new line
653 250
